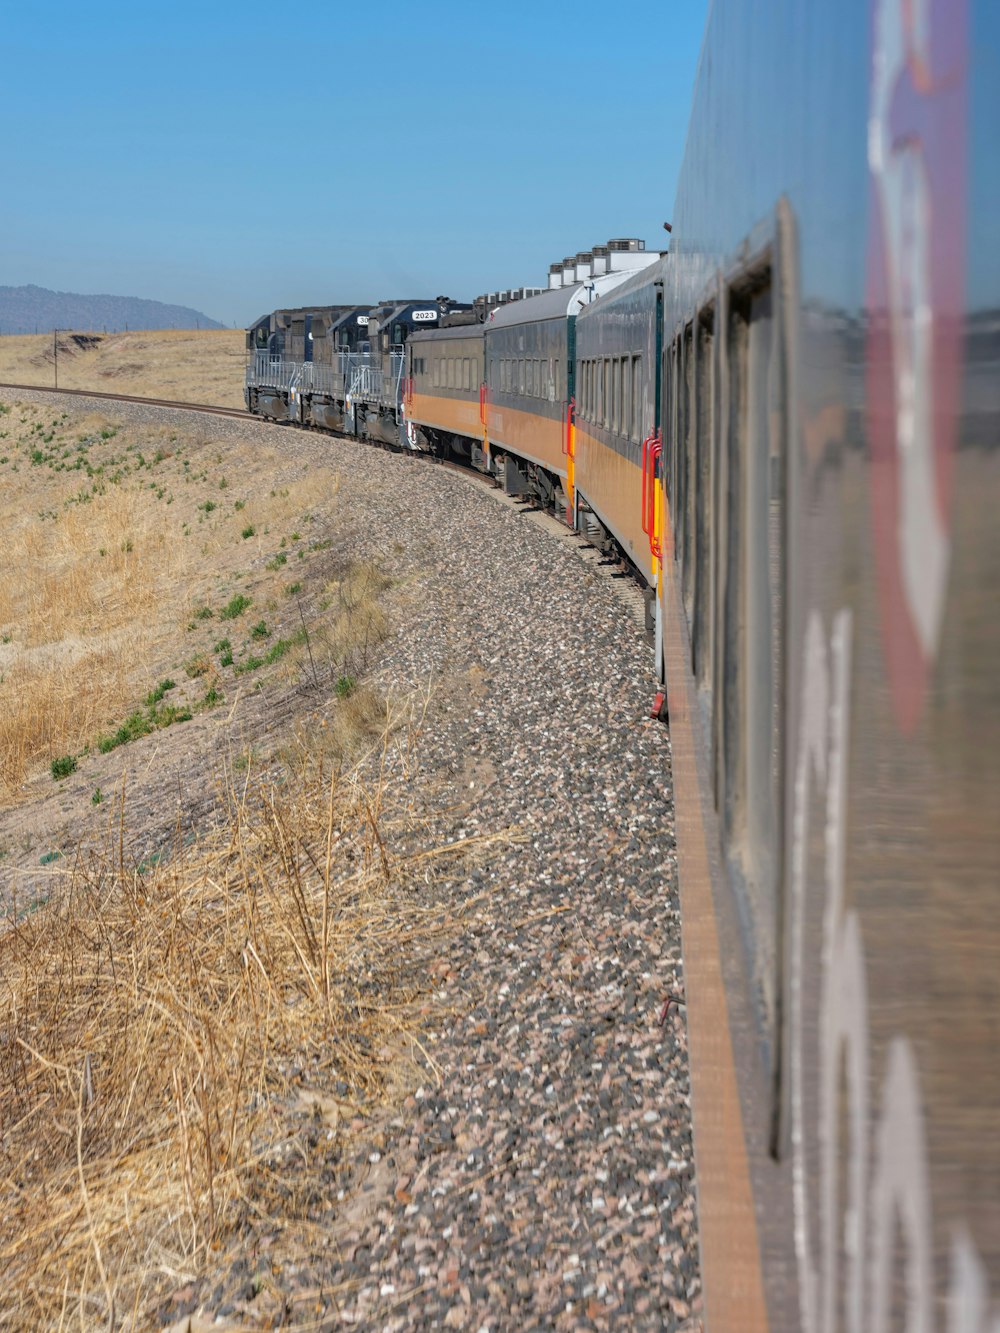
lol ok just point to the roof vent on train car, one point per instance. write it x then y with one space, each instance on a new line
599 260
569 270
627 254
584 265
531 291
555 275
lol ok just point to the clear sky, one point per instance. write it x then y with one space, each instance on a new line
237 157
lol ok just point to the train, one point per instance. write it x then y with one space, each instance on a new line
787 425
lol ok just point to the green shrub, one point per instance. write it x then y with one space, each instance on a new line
138 724
260 631
169 714
248 531
344 686
235 607
62 768
154 696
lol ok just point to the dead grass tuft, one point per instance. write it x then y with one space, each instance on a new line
157 1027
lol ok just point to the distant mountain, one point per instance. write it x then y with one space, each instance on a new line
37 310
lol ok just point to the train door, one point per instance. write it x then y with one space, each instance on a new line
659 517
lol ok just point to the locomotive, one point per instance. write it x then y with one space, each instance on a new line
788 426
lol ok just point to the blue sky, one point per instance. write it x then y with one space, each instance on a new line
238 157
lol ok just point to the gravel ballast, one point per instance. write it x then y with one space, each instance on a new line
542 1176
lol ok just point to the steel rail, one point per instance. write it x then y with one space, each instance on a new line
210 408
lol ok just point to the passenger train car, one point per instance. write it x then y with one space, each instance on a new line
789 427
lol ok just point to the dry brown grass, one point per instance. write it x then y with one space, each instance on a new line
105 564
166 1039
187 365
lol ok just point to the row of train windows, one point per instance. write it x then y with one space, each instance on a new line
610 395
724 449
453 372
530 377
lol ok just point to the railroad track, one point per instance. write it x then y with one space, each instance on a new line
208 408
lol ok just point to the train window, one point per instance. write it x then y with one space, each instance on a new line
436 373
747 630
520 375
762 553
685 443
626 417
397 334
704 507
637 422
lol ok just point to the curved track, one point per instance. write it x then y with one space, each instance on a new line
209 408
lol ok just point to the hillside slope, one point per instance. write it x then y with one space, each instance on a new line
34 309
182 364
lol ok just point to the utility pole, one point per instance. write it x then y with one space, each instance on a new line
55 358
